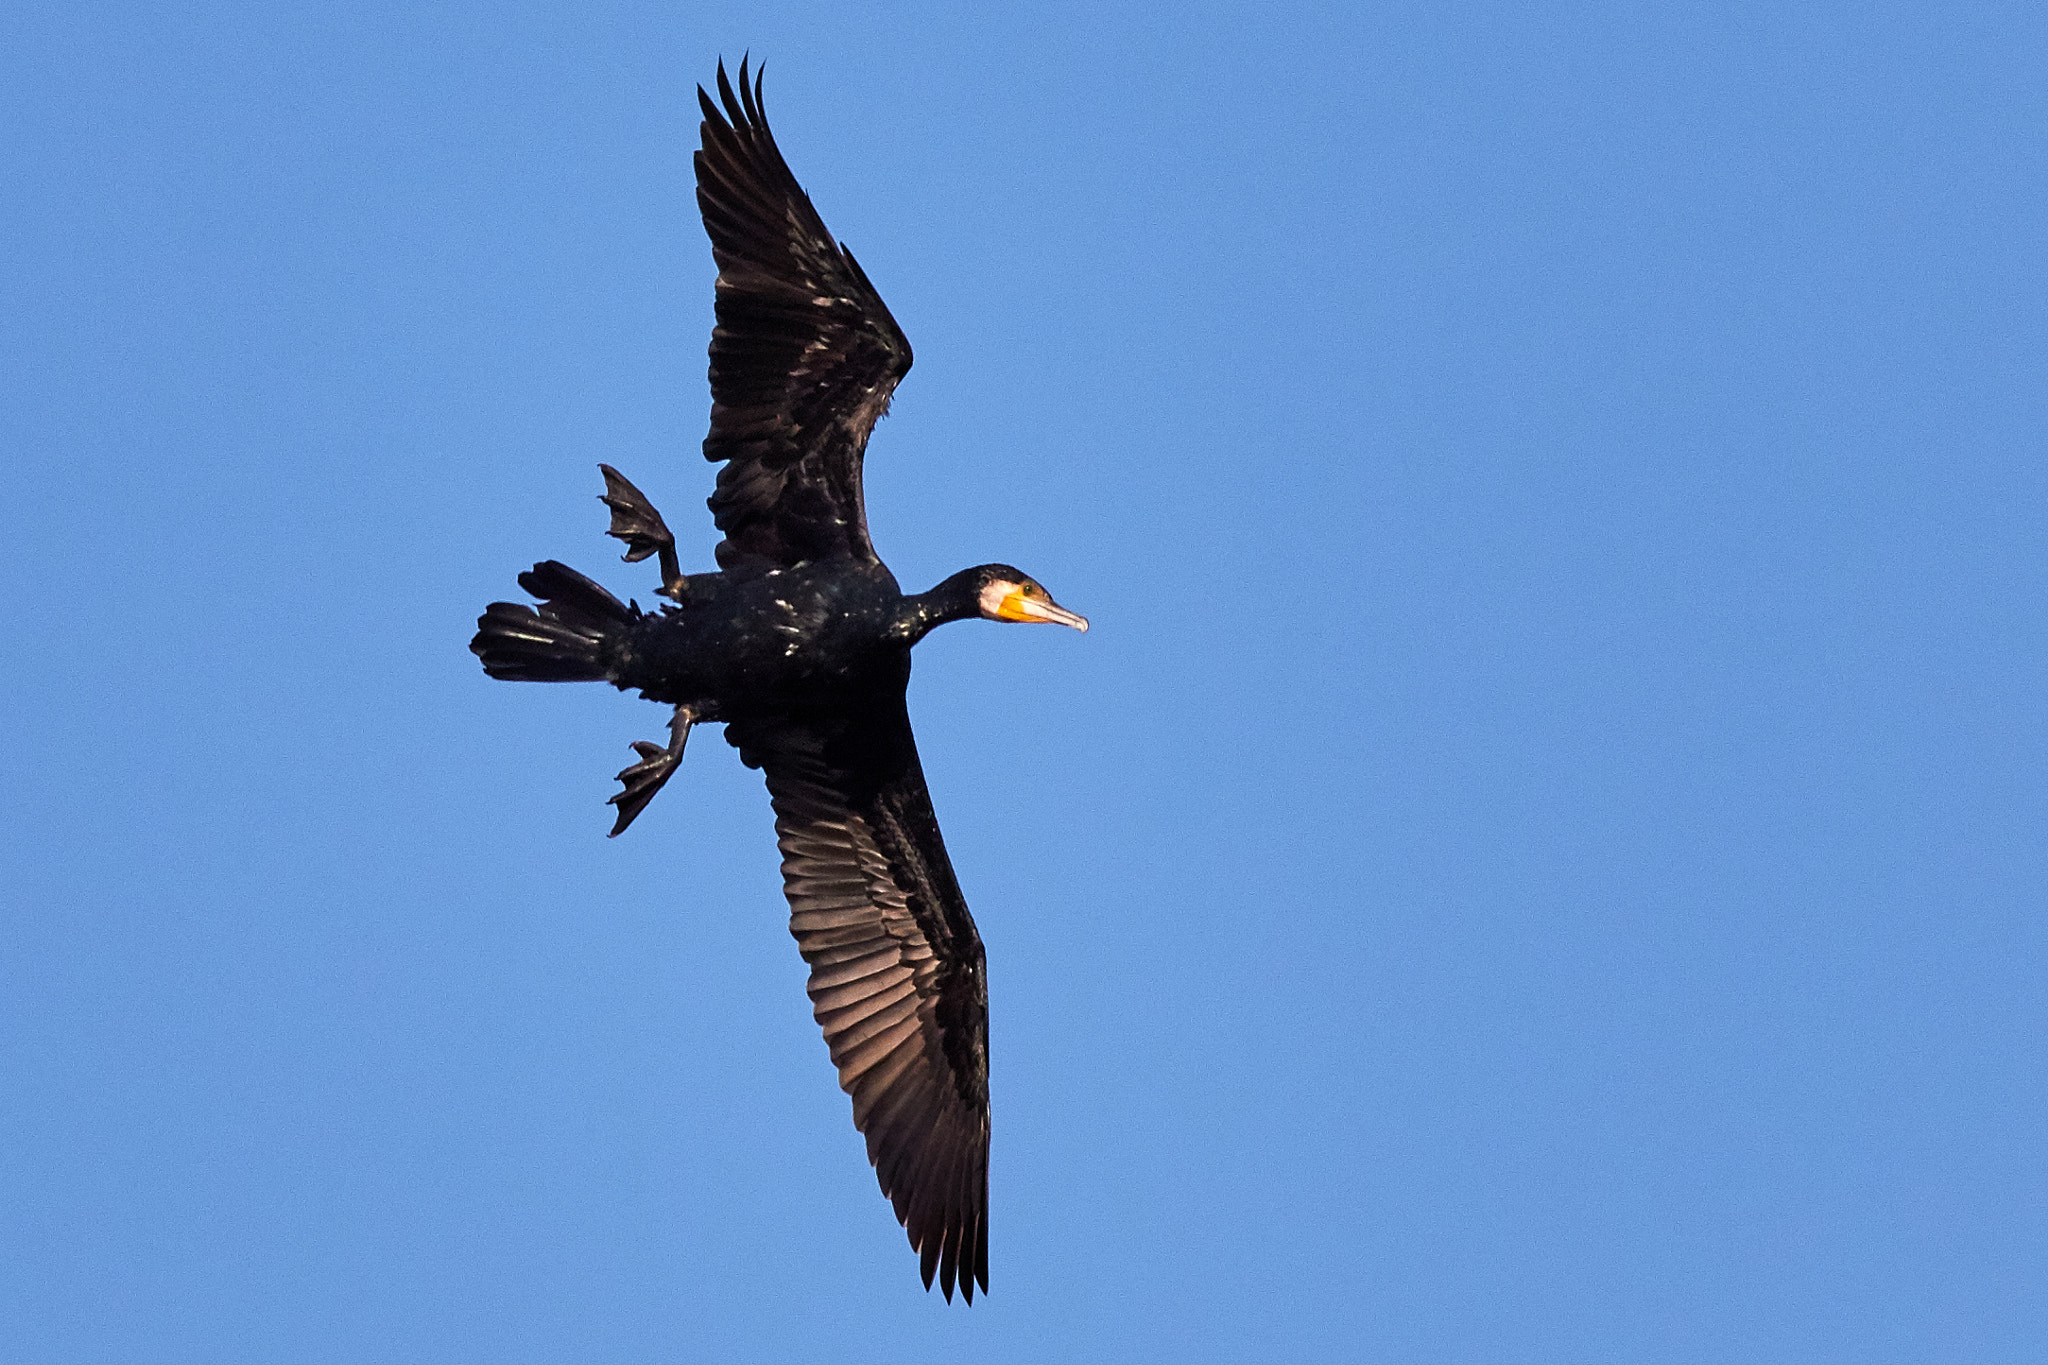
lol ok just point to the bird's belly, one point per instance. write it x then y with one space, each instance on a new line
754 670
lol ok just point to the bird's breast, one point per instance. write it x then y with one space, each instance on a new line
770 645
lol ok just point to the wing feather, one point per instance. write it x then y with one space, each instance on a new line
804 356
897 972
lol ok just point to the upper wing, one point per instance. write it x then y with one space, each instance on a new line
896 967
803 358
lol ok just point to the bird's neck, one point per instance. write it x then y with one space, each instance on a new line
956 599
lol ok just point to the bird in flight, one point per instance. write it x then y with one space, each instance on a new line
800 645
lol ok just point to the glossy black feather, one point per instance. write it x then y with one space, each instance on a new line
804 356
563 640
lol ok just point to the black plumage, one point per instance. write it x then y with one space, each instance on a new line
803 358
800 644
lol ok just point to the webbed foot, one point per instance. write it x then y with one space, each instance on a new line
635 521
645 778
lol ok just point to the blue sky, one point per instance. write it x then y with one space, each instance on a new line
1540 858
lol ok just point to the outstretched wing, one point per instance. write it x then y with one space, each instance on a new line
897 977
804 355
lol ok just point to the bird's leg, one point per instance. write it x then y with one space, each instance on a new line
645 778
635 521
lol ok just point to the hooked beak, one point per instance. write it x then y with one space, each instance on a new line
1018 607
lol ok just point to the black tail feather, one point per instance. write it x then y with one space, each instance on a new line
563 641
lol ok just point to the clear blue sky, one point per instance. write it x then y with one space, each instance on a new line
1540 859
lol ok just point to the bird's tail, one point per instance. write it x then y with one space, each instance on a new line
563 641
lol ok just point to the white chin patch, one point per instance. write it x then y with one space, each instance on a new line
992 598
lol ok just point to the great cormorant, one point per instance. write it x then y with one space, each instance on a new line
800 645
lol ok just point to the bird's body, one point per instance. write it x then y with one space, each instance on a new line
800 645
787 640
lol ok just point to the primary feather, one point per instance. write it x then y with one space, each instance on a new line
804 355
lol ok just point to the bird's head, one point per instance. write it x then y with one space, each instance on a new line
994 592
1006 594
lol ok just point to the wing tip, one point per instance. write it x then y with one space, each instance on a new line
744 107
